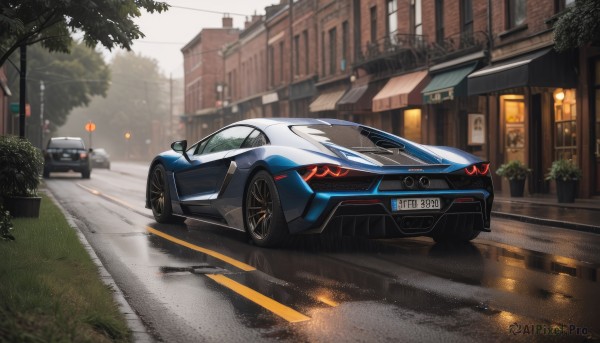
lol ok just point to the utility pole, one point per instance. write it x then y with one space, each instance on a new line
171 135
42 87
291 33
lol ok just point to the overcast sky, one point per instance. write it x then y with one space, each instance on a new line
168 32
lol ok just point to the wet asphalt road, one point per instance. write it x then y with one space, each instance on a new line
195 282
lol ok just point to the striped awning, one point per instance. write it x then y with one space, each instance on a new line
326 101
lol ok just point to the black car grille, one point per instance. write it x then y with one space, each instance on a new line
341 184
469 182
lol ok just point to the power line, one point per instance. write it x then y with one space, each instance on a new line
155 42
209 11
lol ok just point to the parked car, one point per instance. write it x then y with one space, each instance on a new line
65 154
100 158
273 177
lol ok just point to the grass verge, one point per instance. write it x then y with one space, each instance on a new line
50 289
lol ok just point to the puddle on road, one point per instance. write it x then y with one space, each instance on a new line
199 269
316 273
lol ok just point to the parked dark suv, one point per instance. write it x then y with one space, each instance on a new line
64 154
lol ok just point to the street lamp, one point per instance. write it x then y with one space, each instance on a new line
127 138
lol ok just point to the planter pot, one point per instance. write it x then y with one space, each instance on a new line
23 206
566 190
517 187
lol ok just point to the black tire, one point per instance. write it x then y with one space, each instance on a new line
46 173
86 174
263 216
160 196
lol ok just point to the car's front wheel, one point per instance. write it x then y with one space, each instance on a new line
263 215
160 198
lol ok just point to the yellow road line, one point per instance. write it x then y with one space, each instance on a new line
96 192
328 301
233 262
279 309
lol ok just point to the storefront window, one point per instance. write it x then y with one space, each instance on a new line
513 108
412 125
565 116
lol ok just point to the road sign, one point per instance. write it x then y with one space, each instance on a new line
14 108
90 126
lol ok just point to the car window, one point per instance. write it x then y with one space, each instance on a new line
228 139
66 144
346 136
255 139
197 148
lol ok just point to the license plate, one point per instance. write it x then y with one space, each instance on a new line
408 204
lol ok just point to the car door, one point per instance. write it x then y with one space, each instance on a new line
200 182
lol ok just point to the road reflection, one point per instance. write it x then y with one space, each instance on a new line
320 273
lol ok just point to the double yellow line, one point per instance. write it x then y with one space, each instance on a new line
269 304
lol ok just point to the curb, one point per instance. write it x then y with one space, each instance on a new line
134 322
549 222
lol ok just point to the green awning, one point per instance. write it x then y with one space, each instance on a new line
447 85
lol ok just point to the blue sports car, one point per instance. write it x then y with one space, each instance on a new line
275 177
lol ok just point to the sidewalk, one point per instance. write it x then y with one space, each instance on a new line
544 209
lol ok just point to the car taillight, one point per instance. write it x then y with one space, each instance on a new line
323 171
478 169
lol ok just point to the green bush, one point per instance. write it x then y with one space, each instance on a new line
513 170
20 167
564 170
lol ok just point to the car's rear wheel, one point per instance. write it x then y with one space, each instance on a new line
85 174
160 197
46 173
263 215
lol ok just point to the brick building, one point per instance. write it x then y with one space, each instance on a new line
475 74
203 68
540 102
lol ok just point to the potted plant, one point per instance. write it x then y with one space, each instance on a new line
566 174
516 173
20 167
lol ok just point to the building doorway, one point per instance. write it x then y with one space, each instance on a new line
596 114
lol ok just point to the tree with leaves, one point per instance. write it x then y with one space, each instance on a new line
51 22
578 26
69 81
136 102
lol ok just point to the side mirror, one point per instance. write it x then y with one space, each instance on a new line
181 147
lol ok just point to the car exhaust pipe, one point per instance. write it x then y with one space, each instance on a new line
409 182
424 182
